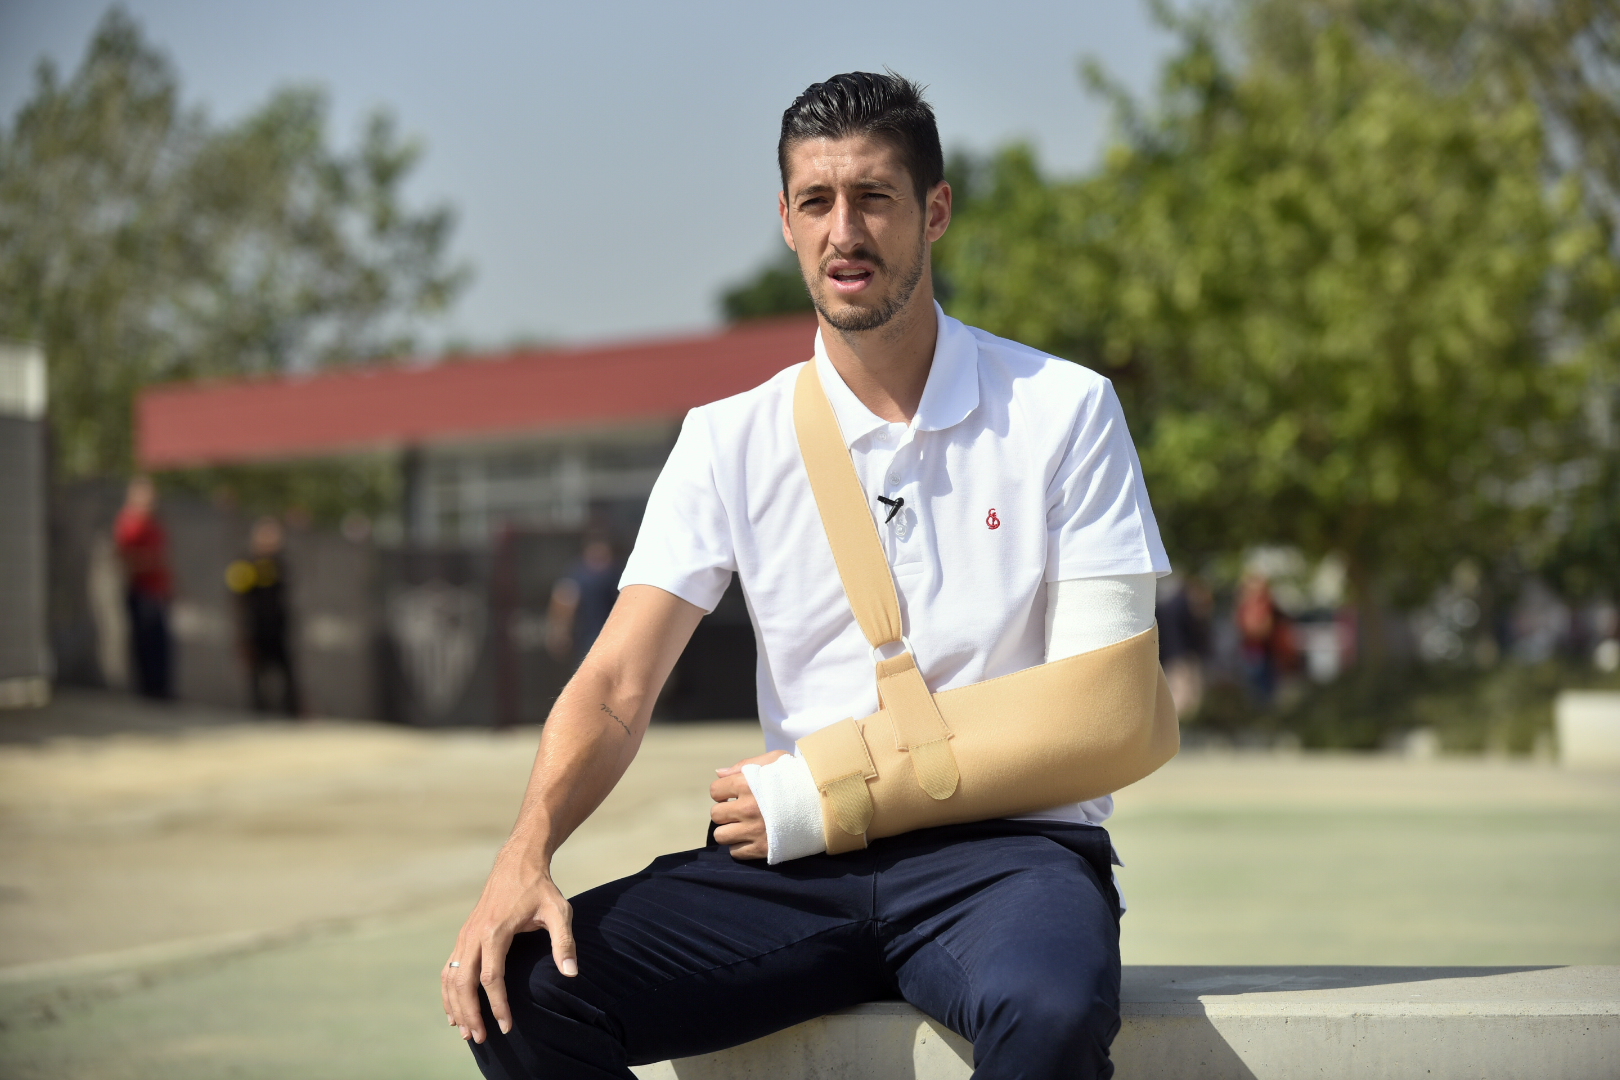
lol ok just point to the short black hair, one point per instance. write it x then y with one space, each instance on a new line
886 106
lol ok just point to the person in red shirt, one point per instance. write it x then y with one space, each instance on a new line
1266 635
143 547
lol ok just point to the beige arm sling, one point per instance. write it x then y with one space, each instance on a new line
1074 729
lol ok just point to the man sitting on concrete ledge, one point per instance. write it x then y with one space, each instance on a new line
1001 525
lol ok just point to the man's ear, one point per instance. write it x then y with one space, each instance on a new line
939 211
782 211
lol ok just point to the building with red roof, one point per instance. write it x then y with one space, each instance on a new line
529 438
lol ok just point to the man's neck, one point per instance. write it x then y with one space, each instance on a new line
887 368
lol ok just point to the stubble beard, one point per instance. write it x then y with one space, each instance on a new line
856 319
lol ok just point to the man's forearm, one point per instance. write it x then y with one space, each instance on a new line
596 726
589 740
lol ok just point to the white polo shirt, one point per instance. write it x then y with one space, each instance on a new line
1016 471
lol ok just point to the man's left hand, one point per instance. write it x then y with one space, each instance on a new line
736 812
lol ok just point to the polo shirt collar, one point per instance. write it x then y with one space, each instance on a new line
949 397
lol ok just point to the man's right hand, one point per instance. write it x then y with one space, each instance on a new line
519 896
588 741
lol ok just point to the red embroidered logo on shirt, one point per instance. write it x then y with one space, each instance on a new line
991 521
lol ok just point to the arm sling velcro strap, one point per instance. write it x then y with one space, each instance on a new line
1062 732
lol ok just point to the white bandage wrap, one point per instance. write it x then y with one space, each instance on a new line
1082 614
791 806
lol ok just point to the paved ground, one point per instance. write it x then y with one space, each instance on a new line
183 895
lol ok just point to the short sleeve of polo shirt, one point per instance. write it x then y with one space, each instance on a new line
1098 520
684 545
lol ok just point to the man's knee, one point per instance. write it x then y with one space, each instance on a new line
1051 1017
557 1030
548 999
1074 1009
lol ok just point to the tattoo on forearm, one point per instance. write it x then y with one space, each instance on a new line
616 719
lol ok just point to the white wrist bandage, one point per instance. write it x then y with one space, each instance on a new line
791 806
1082 614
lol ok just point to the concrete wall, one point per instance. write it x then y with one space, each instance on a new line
1588 728
332 600
24 655
425 636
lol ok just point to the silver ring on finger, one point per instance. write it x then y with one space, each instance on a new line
455 963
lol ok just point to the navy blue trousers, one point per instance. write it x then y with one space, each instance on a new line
149 645
1005 932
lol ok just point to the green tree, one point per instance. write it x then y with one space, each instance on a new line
1563 55
139 241
1346 307
776 288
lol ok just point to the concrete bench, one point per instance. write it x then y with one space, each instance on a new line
1260 1023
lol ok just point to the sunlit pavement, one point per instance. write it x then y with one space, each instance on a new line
209 898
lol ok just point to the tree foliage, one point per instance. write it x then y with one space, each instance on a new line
1564 55
1350 305
776 288
139 241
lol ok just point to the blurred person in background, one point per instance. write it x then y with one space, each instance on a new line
581 601
1264 633
1184 641
143 548
264 624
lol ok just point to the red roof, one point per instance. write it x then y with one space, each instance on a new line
189 424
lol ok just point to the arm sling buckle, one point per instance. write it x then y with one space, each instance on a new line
1061 732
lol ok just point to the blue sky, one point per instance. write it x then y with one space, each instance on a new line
613 163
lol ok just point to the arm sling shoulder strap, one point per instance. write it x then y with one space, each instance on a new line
1066 731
